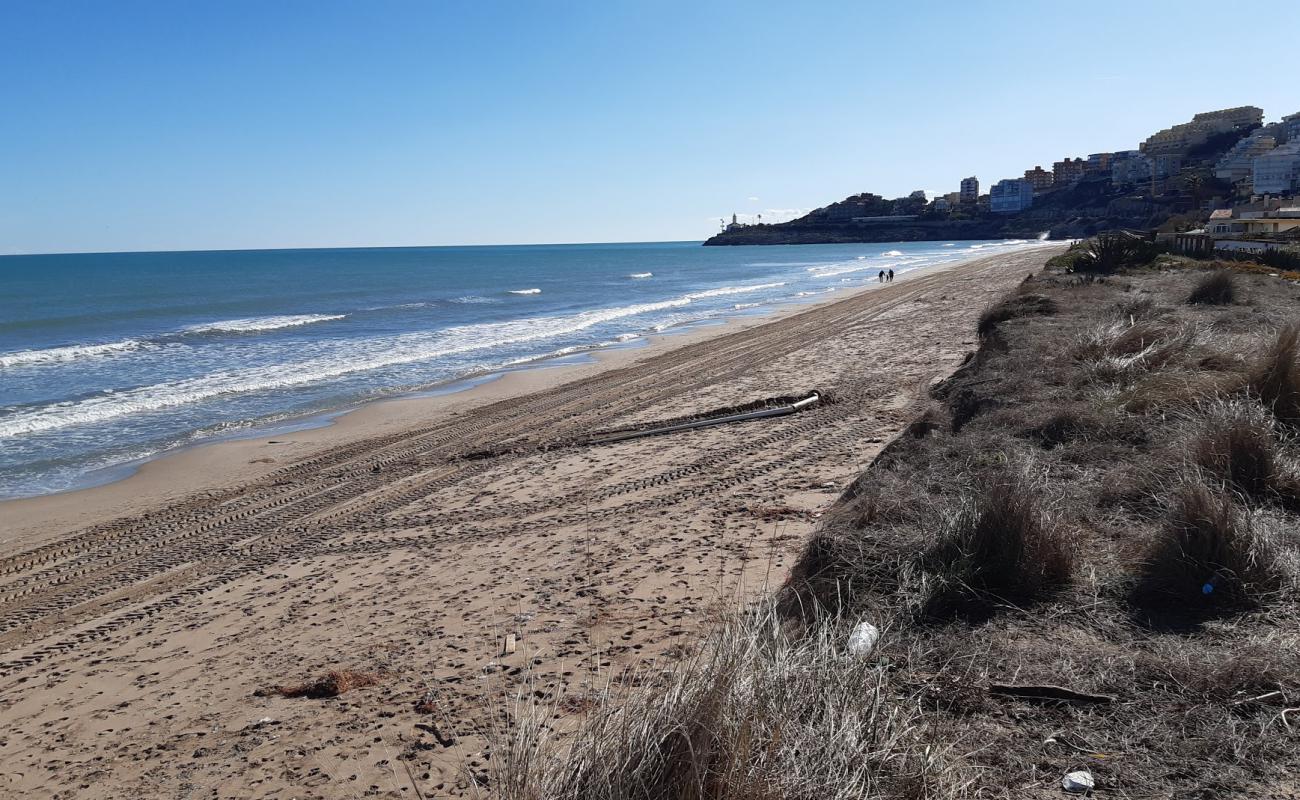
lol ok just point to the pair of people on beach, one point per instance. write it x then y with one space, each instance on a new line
886 277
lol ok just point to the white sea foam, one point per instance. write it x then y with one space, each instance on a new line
473 299
892 253
57 355
838 269
739 306
726 290
525 291
642 275
368 355
950 244
627 337
259 324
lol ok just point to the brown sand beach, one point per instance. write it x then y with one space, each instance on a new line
441 553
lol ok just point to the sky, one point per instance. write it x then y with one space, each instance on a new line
170 125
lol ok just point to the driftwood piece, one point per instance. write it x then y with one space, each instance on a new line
1046 693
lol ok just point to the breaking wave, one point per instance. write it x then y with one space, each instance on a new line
57 355
525 291
259 324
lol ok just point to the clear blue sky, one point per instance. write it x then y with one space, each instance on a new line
183 125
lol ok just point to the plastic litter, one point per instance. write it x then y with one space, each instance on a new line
1078 782
863 639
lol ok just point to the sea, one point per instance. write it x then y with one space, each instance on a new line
110 359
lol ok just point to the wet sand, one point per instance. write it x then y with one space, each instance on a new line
142 617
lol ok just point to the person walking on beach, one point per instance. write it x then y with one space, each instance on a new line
881 276
891 276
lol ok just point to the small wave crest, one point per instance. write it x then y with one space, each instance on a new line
642 275
726 290
260 324
892 253
525 291
59 355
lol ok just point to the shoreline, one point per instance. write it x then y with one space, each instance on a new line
225 461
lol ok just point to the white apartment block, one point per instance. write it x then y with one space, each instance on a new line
1238 163
1011 195
1278 170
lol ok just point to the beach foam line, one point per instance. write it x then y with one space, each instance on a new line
59 355
726 290
260 324
524 291
839 269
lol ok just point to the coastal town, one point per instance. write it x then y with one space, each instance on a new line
1223 180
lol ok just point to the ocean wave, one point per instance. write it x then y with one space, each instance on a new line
473 299
950 244
838 269
726 290
368 355
892 253
642 275
742 306
525 291
57 355
627 337
260 324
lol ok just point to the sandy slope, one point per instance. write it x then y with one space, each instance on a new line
131 650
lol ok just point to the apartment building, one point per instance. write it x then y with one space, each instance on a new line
1011 195
1238 163
1068 170
1039 178
1277 171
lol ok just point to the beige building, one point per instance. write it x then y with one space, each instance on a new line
1039 178
1183 137
1254 223
1068 170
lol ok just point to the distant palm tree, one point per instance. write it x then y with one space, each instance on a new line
1193 184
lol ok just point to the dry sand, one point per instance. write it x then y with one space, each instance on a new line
140 619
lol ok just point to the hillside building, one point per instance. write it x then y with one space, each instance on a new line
1181 138
1068 170
1237 164
1277 171
1291 128
1011 195
1039 178
1129 167
970 190
1097 162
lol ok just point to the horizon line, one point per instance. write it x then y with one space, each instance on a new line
344 247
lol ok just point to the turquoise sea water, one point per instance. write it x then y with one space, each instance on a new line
106 359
